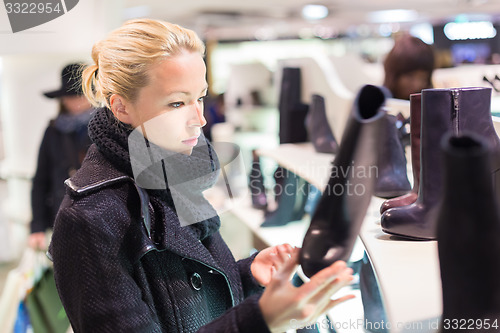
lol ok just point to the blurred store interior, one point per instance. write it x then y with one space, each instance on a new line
339 44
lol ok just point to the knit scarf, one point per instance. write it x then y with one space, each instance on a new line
175 178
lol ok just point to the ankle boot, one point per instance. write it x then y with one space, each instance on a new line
318 129
256 184
468 235
409 198
337 220
443 110
392 180
292 111
292 194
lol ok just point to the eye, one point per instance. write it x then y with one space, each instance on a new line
176 104
201 98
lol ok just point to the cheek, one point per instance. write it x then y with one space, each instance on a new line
166 129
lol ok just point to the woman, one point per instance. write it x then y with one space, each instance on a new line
124 261
61 153
408 67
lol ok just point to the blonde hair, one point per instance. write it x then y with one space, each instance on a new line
122 60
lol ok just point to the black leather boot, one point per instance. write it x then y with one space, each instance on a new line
443 110
337 220
292 194
318 128
292 111
392 180
415 116
468 234
256 184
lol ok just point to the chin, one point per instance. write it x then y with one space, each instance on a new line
188 151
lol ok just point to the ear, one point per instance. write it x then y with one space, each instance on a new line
121 108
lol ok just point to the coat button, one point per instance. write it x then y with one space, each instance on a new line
196 281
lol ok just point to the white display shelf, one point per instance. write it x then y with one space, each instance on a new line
407 271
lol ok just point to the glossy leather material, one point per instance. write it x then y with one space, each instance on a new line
392 180
443 110
318 128
337 219
468 234
411 197
292 111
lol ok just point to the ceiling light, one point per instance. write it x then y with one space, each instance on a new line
424 31
136 12
393 15
314 12
469 30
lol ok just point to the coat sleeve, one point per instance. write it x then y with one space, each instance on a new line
250 285
41 187
94 281
245 317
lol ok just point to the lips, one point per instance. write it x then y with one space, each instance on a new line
192 141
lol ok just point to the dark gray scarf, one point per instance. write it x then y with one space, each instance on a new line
175 178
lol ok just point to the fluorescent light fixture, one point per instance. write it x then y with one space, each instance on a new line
424 31
392 15
136 12
469 30
314 12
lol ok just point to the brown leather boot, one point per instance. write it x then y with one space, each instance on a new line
443 110
411 197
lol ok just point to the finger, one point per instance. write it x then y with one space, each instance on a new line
324 309
334 302
323 296
287 248
284 252
322 278
285 271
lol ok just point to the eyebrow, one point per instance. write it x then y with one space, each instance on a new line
186 92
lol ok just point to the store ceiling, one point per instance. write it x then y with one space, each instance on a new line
240 19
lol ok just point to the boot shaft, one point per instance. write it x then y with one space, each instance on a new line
341 210
450 110
468 230
354 169
318 128
415 124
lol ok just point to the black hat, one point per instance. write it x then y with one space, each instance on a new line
71 83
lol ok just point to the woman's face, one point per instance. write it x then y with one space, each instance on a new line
169 110
412 83
75 104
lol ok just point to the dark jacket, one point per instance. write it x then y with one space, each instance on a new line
117 272
60 154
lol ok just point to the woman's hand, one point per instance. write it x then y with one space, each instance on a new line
284 305
269 261
37 241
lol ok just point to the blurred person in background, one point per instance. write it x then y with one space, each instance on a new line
408 66
61 153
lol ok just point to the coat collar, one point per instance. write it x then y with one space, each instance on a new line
98 173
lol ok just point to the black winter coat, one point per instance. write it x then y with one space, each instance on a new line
60 154
114 273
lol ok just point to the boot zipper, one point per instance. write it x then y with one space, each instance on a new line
455 112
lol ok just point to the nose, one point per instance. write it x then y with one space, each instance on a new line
197 117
